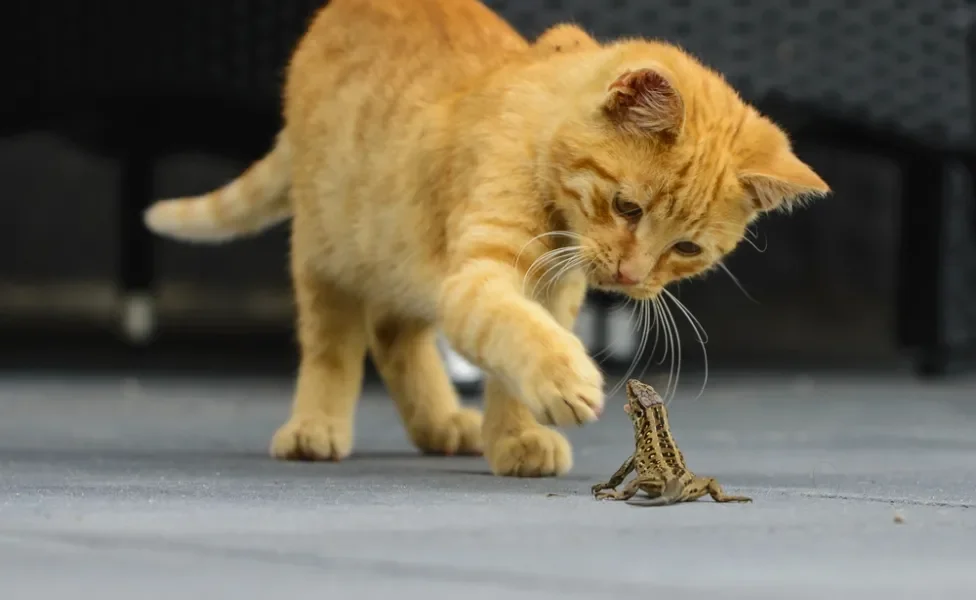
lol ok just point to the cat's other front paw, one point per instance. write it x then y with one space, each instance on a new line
533 452
563 386
457 433
313 437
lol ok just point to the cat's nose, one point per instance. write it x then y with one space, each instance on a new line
625 277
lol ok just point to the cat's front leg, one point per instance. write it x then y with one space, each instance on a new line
487 318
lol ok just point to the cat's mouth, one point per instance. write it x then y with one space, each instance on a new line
621 288
605 278
636 291
607 282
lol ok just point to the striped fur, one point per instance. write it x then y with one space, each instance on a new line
433 159
249 204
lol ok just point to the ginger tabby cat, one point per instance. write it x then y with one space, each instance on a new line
440 172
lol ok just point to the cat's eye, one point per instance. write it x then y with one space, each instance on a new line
627 209
686 248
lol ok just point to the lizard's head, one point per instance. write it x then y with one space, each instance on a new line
640 398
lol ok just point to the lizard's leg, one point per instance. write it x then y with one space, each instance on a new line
715 491
671 492
626 493
617 477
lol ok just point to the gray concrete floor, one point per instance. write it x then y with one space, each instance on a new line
161 488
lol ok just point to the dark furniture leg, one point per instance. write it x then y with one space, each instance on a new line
136 258
921 302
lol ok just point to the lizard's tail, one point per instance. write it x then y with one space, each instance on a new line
659 501
253 202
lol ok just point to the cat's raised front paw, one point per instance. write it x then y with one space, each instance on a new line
534 452
458 433
313 437
563 386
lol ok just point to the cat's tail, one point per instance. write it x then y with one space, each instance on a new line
253 202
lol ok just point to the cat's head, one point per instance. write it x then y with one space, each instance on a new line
660 167
564 37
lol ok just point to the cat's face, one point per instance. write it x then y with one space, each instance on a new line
660 189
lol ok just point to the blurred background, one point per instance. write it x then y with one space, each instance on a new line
108 105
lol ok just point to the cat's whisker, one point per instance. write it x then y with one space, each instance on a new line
692 319
657 335
671 346
657 327
755 236
634 305
604 353
665 336
755 246
564 267
699 333
568 266
675 364
750 237
643 320
643 328
548 256
664 332
675 352
556 255
652 321
620 307
735 280
660 331
568 234
537 263
616 388
557 233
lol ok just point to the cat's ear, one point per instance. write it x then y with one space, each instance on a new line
644 101
780 180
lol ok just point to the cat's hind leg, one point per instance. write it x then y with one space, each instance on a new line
406 355
332 336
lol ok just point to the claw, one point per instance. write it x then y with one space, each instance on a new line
576 416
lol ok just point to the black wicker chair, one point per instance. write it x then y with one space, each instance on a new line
147 79
891 76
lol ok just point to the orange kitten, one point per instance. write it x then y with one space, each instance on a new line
438 173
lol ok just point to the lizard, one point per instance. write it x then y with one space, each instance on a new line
660 465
